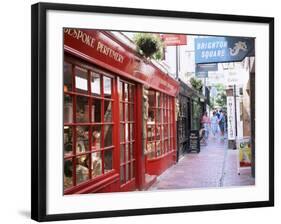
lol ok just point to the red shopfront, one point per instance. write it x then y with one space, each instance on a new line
105 143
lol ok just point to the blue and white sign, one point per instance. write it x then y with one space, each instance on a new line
222 49
206 67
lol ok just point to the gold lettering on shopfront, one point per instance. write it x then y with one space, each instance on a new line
80 35
91 41
109 52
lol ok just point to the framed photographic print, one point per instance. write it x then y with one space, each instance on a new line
139 111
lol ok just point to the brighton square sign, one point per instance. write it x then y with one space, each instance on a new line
222 49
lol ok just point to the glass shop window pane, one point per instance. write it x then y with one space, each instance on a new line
159 115
122 171
95 84
127 132
107 160
151 115
107 85
67 77
107 111
121 111
122 132
67 140
96 110
151 98
81 80
132 137
96 164
131 93
122 153
158 132
96 137
158 148
68 109
82 168
127 172
150 150
159 99
108 135
82 141
132 113
126 111
127 158
68 174
126 93
132 170
120 90
132 151
82 109
150 132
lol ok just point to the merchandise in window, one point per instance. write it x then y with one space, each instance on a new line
159 130
88 125
127 137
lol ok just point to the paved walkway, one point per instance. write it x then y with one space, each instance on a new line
214 166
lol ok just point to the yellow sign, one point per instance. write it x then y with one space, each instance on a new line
245 155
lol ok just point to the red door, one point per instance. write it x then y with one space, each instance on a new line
127 99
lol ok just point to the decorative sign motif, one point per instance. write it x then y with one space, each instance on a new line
174 39
230 118
222 49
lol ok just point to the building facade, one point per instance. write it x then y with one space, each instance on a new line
119 115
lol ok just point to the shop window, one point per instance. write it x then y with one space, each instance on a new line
68 109
107 111
67 141
107 83
121 112
67 77
96 108
81 80
95 84
88 125
68 174
96 164
159 130
107 135
82 139
151 98
127 126
82 169
122 153
82 109
107 160
96 137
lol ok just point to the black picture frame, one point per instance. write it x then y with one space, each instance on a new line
39 108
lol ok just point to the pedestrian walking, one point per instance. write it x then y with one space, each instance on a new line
214 124
205 123
222 123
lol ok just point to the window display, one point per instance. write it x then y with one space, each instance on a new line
88 125
127 136
159 134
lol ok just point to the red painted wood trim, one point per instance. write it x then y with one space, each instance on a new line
100 185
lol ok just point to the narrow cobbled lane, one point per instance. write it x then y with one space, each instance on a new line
214 166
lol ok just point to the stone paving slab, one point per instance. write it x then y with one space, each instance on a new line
214 166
